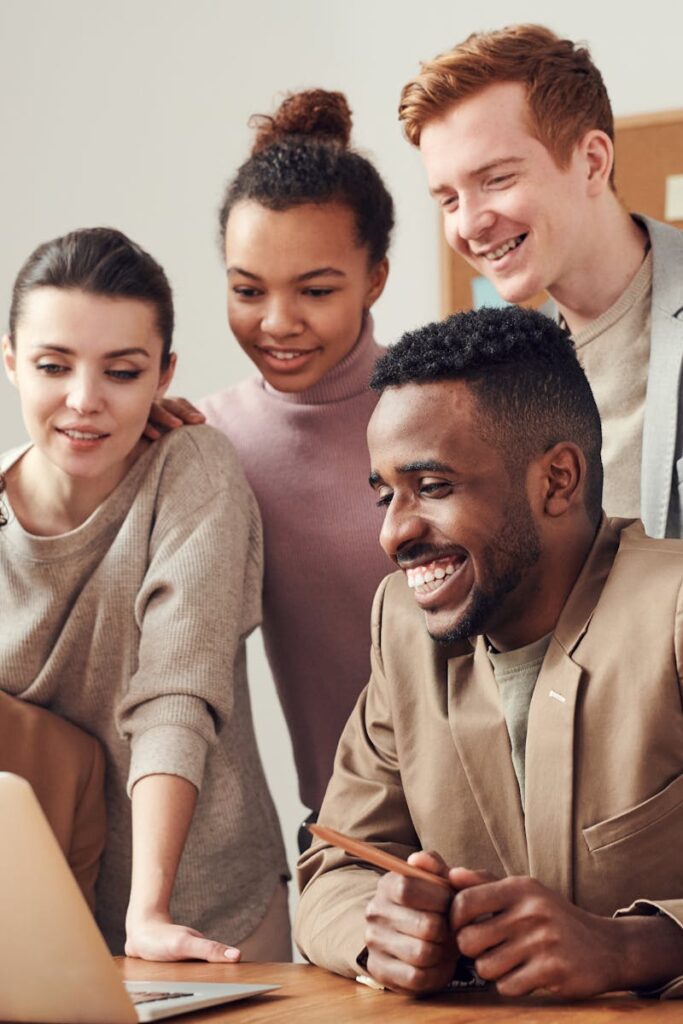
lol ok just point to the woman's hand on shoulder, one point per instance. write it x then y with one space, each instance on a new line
156 937
170 413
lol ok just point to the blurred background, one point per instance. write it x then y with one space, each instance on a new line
134 114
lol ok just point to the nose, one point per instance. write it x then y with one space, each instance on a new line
402 527
281 319
85 393
473 218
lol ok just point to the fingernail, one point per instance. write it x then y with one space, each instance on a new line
231 954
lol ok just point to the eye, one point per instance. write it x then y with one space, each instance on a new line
384 498
246 292
123 374
318 293
500 181
52 369
449 203
435 488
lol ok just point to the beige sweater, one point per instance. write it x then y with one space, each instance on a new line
133 626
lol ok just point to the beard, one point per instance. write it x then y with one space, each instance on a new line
505 563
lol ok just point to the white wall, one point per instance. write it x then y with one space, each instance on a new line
134 114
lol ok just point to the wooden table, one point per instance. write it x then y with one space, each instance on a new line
311 994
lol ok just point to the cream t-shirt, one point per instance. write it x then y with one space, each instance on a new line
614 351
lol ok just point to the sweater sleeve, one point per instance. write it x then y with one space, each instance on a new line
365 799
199 598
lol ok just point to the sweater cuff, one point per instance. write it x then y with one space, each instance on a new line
672 989
168 750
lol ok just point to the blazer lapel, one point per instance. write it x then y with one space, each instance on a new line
483 745
549 786
661 424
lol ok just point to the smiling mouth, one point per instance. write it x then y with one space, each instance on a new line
81 435
492 255
425 579
286 355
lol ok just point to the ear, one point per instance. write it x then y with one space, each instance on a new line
377 280
9 359
597 153
563 478
166 377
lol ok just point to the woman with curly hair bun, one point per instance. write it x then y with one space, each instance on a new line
305 225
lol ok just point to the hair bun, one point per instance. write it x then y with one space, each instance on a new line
313 113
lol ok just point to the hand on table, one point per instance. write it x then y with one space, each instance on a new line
158 938
411 947
170 413
524 937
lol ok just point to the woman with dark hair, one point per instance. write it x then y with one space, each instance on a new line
121 618
305 226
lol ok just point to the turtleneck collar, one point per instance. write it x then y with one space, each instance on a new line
345 380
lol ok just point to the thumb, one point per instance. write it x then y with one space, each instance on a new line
464 878
428 860
196 947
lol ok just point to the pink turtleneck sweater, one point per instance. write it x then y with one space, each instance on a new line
306 458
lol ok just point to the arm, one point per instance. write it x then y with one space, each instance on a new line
193 609
364 798
525 937
163 806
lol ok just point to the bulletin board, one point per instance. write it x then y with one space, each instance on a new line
648 150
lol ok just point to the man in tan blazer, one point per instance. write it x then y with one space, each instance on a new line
532 734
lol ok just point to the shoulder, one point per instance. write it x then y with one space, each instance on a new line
200 451
225 409
196 466
645 565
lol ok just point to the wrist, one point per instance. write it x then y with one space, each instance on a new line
650 951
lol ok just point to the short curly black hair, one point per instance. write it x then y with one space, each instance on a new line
523 370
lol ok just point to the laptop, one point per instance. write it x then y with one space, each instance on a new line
54 964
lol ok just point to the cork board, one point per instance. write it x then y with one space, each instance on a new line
648 148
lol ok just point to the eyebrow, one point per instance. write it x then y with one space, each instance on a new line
478 171
318 272
421 466
117 353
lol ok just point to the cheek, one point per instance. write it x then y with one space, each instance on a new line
242 322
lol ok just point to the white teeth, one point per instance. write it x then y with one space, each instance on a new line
496 254
422 576
79 435
284 355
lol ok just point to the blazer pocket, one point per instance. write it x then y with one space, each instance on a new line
637 819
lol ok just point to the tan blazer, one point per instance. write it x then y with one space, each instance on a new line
65 767
424 761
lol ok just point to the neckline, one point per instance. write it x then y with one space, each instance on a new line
347 379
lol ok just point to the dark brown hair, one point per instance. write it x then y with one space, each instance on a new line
565 91
301 155
100 261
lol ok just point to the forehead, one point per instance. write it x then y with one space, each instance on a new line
418 422
492 125
77 319
310 235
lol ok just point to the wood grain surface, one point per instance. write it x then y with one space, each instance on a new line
311 994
